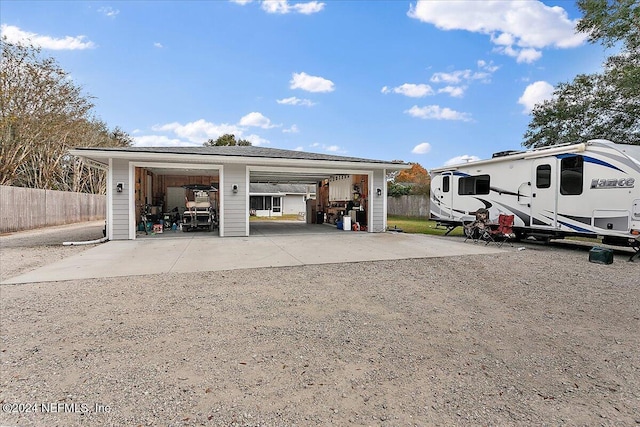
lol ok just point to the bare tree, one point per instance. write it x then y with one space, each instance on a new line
43 114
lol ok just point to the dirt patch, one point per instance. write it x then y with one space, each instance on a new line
539 336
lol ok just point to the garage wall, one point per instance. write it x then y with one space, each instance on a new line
377 202
120 201
235 204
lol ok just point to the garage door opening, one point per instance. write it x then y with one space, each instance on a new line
282 202
176 202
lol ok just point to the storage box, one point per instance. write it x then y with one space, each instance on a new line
601 255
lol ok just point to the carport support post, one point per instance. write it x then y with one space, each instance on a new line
378 203
235 194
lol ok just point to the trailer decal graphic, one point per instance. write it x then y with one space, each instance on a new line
612 183
575 227
591 160
524 217
503 191
582 219
486 203
536 221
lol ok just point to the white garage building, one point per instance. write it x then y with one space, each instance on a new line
156 176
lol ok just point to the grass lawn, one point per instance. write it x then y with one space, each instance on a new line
419 226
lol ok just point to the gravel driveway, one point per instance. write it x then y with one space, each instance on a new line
533 337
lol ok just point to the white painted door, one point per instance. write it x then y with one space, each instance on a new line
276 205
544 191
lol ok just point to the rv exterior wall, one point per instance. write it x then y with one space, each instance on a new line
585 189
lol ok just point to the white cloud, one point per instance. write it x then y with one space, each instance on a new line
109 11
292 129
528 56
158 45
199 131
309 7
411 90
296 101
488 66
455 91
460 76
241 2
256 140
535 93
329 148
311 83
300 148
438 113
457 81
256 120
17 36
453 77
518 28
160 141
465 158
283 7
423 148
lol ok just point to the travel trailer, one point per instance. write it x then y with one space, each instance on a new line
588 189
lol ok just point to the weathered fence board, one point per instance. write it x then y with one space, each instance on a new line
27 208
411 205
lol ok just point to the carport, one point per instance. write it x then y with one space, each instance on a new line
155 175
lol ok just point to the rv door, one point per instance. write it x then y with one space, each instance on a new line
544 193
443 192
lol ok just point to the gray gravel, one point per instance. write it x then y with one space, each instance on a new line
533 337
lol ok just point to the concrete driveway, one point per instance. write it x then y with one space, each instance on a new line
201 252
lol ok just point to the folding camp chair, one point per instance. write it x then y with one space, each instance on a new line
504 231
478 229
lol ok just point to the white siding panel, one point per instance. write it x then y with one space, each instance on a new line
293 204
235 204
377 202
120 201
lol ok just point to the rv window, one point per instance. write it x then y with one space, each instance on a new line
445 184
543 176
571 171
471 185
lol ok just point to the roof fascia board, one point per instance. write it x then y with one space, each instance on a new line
140 156
170 165
312 169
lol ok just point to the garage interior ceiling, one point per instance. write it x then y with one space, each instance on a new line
182 172
263 177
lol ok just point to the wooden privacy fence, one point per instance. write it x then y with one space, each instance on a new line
27 208
411 205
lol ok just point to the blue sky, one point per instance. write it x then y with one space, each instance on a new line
431 82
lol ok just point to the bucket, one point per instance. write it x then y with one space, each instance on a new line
346 223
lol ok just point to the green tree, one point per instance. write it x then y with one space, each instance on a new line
600 105
397 190
611 21
228 139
